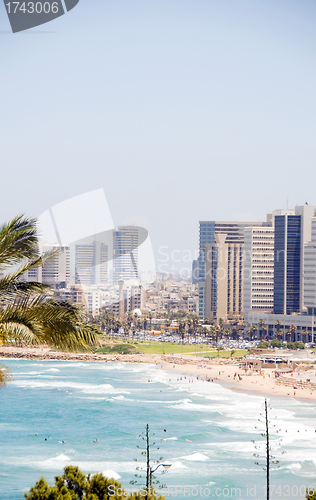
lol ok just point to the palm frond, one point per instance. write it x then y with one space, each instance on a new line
45 320
18 240
11 284
28 312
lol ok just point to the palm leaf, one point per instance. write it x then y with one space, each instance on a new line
29 313
18 240
11 284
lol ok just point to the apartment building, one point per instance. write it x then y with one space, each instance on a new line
234 232
258 272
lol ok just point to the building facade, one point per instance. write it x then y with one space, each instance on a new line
292 233
258 272
125 253
91 264
234 232
223 279
55 270
310 271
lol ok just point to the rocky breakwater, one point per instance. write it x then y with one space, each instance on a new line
44 353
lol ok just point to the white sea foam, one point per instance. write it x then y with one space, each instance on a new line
296 466
196 457
53 370
51 462
111 474
177 465
60 384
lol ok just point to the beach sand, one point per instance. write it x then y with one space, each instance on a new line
227 372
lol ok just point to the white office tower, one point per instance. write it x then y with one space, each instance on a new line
34 274
55 270
310 271
258 269
125 253
91 263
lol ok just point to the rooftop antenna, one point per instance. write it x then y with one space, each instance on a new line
287 203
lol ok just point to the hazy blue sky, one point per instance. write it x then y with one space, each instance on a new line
181 110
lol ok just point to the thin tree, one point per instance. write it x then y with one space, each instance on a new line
146 452
269 459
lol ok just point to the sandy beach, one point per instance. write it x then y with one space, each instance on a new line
299 384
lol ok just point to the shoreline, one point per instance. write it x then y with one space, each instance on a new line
225 371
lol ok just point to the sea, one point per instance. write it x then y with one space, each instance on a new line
94 415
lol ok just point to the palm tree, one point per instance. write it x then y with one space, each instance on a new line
278 325
29 314
293 329
304 335
252 331
217 331
262 328
182 329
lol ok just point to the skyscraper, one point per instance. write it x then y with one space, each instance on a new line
125 253
258 269
53 271
223 280
91 263
310 271
234 234
292 232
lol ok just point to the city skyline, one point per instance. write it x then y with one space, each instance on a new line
177 110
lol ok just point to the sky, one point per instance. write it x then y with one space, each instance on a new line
180 110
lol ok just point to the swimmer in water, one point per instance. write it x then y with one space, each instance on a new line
96 441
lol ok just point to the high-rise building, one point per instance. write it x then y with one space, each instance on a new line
57 268
125 253
54 270
258 269
195 272
223 278
287 258
292 232
234 232
310 271
91 263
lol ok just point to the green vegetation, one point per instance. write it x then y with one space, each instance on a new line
74 485
223 354
263 345
279 344
310 494
276 343
295 345
117 349
168 348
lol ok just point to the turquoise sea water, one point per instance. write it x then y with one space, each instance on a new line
208 435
